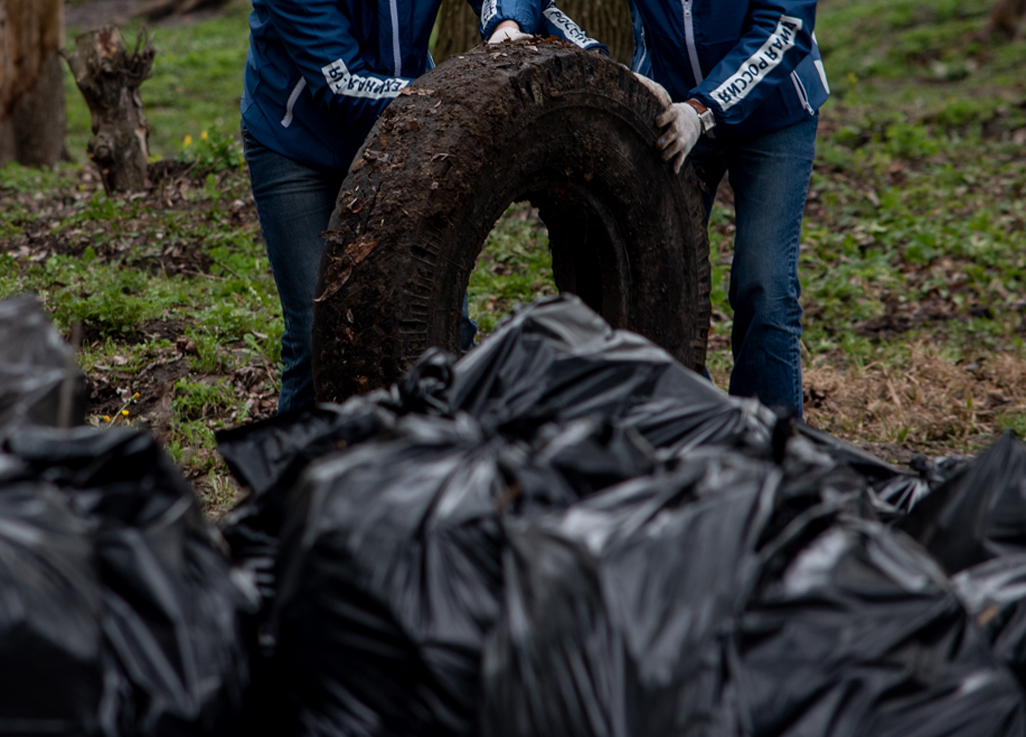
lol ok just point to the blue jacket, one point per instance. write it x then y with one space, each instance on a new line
754 63
320 72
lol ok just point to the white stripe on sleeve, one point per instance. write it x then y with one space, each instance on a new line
342 82
573 32
754 69
488 11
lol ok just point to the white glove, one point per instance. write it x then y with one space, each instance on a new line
507 31
682 129
656 89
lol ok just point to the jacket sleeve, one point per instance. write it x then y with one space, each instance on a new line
554 22
319 39
524 13
540 17
778 37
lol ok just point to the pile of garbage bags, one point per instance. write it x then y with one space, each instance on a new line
119 612
565 532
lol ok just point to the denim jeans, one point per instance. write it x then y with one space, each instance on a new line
770 179
294 204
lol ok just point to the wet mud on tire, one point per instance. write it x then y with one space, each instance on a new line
568 130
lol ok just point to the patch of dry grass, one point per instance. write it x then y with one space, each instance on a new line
930 404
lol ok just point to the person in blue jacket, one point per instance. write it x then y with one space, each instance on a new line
741 82
318 75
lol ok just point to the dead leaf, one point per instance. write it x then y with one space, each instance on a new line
342 266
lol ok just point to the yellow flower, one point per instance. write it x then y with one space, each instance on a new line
135 396
124 412
203 135
106 418
187 140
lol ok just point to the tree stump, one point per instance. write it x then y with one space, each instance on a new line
109 77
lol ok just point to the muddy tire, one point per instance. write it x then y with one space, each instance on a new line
568 130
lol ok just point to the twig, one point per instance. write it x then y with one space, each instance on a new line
208 276
67 395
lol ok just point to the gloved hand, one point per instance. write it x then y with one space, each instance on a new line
681 122
682 129
508 30
656 89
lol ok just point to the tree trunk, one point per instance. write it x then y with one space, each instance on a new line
1008 18
608 21
31 82
109 78
458 30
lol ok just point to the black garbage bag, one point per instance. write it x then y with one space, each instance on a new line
892 491
749 602
995 595
53 664
979 513
679 424
390 570
557 360
35 364
389 573
614 609
170 606
587 455
267 458
859 634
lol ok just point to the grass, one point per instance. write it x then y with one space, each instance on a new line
515 267
913 260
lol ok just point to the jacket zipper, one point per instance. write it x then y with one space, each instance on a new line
803 96
644 52
397 57
291 104
689 41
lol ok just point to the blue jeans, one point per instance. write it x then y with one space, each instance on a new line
770 179
294 204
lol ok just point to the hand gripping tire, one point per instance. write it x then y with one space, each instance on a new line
569 130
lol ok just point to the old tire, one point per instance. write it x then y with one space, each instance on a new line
569 130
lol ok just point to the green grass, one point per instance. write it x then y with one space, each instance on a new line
920 181
515 268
